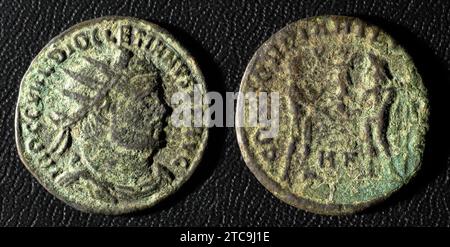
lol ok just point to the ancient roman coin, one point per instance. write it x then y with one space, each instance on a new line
93 119
353 115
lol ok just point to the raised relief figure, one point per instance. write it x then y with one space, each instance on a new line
126 113
341 101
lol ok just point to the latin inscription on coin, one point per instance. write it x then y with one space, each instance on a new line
93 116
353 115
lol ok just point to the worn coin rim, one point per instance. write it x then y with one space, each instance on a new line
137 205
272 186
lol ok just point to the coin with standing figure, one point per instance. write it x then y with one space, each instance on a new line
93 116
353 115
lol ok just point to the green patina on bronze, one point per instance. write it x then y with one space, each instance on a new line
93 116
353 115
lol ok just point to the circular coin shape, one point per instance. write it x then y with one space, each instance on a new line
93 119
351 118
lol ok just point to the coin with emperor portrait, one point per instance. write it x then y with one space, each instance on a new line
93 118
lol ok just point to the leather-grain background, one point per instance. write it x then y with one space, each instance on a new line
222 36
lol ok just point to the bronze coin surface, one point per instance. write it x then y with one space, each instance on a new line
353 115
93 116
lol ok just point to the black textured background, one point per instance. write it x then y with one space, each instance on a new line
223 35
